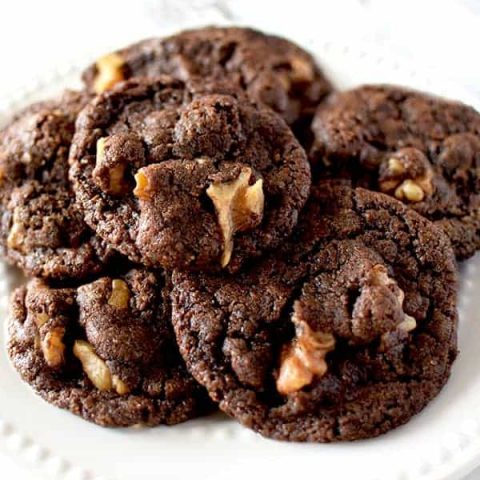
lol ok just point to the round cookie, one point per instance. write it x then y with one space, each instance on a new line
270 69
41 230
105 350
423 150
344 333
177 179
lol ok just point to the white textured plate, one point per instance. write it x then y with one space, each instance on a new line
443 442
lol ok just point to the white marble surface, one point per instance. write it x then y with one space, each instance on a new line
37 36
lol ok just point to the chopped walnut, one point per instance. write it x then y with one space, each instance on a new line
409 190
408 324
142 188
97 370
16 235
304 357
239 208
120 387
407 176
53 347
395 166
120 294
109 176
109 72
302 70
381 276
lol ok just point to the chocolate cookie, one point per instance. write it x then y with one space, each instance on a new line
344 333
176 179
271 69
423 150
41 230
105 350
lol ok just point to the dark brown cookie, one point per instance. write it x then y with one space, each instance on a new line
270 69
41 230
423 150
344 333
179 180
105 350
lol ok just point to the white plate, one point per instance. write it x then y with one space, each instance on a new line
443 442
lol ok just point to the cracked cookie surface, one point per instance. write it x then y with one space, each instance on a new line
105 350
422 150
41 229
174 178
270 69
343 333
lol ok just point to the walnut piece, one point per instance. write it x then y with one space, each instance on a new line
109 72
380 277
395 166
409 190
304 357
120 294
53 347
97 370
16 235
302 70
380 274
142 188
115 183
407 179
120 387
239 208
408 324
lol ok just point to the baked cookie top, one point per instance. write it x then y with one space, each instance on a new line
105 350
41 230
270 69
177 179
423 150
344 333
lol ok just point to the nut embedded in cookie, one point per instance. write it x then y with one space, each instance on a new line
96 369
378 310
239 207
115 174
113 155
407 175
120 294
302 70
109 72
53 347
304 357
142 187
16 235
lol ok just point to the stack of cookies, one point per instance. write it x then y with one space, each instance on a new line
208 223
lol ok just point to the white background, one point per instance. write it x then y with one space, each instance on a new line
441 37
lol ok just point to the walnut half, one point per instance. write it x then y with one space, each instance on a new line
239 208
97 370
304 357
